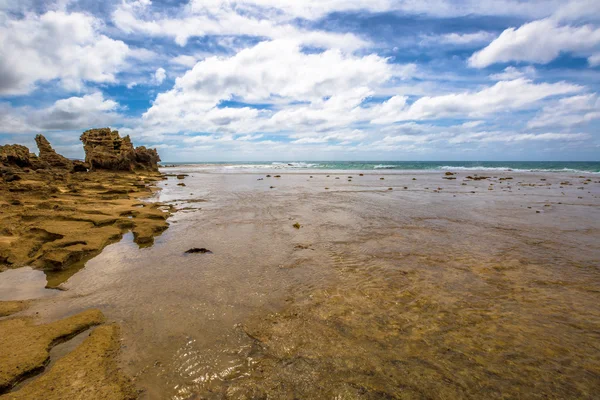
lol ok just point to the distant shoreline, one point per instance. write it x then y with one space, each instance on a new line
380 166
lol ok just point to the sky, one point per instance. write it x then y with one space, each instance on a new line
259 80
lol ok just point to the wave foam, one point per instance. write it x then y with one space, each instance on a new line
382 166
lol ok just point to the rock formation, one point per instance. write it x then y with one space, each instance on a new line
15 155
51 157
147 158
105 149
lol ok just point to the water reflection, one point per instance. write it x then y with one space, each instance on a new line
24 284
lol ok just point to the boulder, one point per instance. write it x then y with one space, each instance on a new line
105 149
51 157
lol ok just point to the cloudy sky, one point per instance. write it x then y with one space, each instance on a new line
219 80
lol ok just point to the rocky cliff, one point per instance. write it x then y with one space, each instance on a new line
105 149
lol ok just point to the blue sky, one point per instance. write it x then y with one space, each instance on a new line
250 80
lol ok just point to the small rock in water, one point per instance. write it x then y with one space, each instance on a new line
390 189
181 184
181 176
449 173
296 225
381 178
268 176
200 250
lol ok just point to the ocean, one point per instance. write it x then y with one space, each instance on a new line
520 166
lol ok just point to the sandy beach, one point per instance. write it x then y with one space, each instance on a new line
410 286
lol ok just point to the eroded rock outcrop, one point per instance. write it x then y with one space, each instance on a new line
50 156
105 149
16 155
147 158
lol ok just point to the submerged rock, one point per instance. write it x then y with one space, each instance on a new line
200 250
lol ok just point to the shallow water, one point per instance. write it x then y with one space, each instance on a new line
403 293
24 284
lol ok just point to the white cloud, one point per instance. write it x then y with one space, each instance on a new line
578 10
73 113
503 96
276 72
567 112
222 18
315 9
457 135
594 60
511 73
538 42
458 39
275 19
508 137
160 75
56 45
185 60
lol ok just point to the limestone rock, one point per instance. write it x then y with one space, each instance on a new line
15 155
51 157
105 149
146 158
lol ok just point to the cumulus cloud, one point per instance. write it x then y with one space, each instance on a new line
73 113
160 75
277 72
538 42
247 77
56 45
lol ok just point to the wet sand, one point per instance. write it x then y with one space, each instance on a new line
427 290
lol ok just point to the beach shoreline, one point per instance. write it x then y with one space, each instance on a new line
379 292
